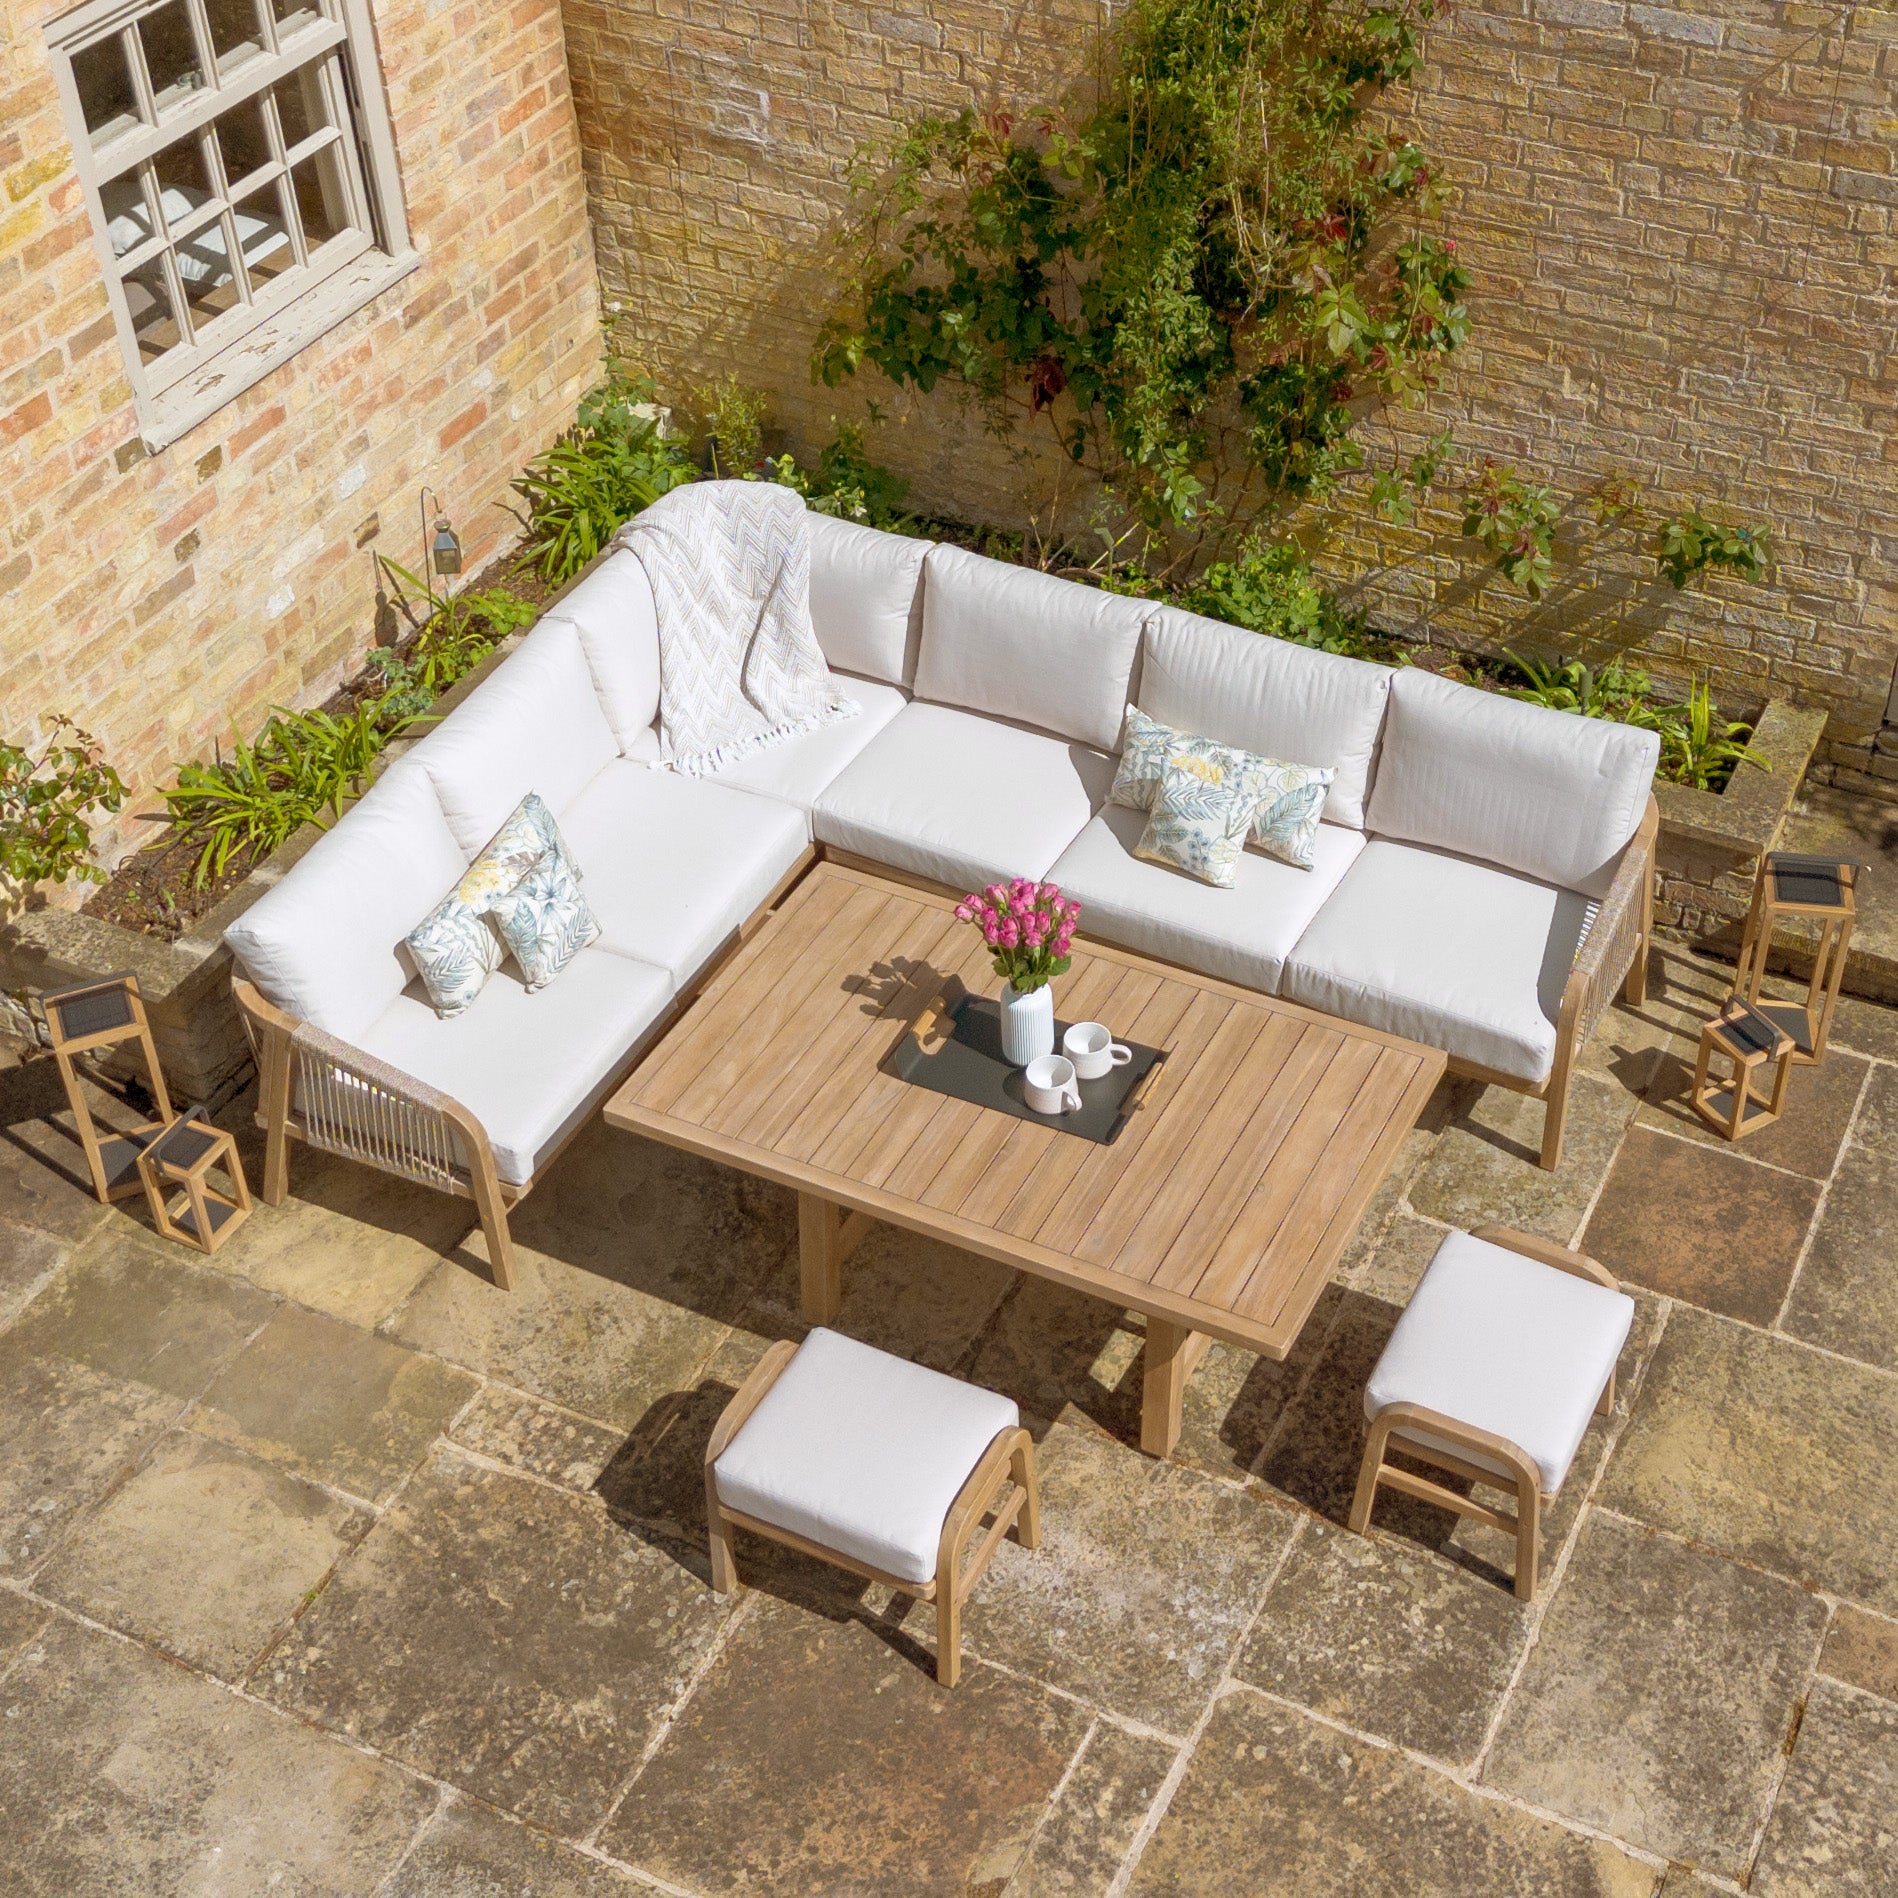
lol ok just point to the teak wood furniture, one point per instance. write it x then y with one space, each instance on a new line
1494 1347
176 1170
1000 1490
1218 1212
1791 884
1747 1038
82 1020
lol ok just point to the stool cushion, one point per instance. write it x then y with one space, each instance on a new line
1508 1344
861 1452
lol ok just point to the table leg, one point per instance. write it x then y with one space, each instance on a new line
820 1253
1172 1353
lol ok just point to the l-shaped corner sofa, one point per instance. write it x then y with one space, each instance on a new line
1482 880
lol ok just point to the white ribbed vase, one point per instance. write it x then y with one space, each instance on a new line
1027 1023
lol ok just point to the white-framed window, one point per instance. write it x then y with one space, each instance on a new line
240 174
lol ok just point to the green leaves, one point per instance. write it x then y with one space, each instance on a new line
1515 520
46 806
1691 543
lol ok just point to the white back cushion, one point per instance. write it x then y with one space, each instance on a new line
1270 697
866 597
1550 794
1024 645
326 942
619 633
534 725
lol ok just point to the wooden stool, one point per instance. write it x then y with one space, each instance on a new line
1749 1038
175 1169
1789 884
880 1466
96 1015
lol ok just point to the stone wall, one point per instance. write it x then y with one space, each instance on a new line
168 600
1681 224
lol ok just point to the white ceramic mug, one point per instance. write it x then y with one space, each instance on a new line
1093 1050
1049 1085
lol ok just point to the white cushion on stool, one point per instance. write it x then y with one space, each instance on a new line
1508 1344
861 1452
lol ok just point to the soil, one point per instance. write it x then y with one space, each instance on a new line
154 892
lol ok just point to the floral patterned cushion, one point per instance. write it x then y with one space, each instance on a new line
544 920
454 946
1201 813
1292 796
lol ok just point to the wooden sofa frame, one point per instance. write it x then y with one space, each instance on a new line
1391 1430
1001 1489
363 1109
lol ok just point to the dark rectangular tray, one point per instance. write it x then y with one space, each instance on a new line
966 1063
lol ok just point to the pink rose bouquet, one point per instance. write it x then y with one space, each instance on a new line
1029 926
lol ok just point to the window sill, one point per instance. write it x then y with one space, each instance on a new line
245 363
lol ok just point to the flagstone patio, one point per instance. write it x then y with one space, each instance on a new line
326 1568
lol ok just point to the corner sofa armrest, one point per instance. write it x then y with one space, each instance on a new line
1617 940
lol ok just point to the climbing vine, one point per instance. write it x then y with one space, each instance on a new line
1194 278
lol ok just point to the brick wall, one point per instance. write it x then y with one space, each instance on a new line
1680 219
170 599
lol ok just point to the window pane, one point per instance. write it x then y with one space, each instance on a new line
105 89
235 34
263 235
242 141
204 267
127 222
184 182
171 55
321 202
293 16
300 107
154 320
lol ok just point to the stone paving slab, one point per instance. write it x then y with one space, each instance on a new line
1834 1830
526 1434
1805 1139
28 1260
1707 1226
205 1552
1096 1814
1387 1641
1275 1806
1659 1694
1768 1451
332 1402
472 1852
503 1635
812 1758
1862 1650
1144 1584
148 1780
20 1620
43 1179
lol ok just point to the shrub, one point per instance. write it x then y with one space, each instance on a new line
457 633
1273 590
46 806
846 483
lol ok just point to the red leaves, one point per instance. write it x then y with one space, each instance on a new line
1046 380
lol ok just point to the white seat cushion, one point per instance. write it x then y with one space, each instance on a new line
1023 645
619 633
866 597
861 1452
534 724
1242 934
1507 1344
1550 794
529 1067
326 942
801 768
963 799
1455 954
1270 697
672 864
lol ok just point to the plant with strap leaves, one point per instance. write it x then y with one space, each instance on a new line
1194 278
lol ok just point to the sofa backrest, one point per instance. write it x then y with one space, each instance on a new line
1268 696
1550 794
535 724
1023 645
613 610
325 942
866 597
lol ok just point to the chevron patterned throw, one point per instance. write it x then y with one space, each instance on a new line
739 666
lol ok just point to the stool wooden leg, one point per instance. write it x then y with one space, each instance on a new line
724 1554
1021 1470
948 1631
1365 1499
820 1255
1528 1537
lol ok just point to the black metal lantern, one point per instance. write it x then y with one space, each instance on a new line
445 549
